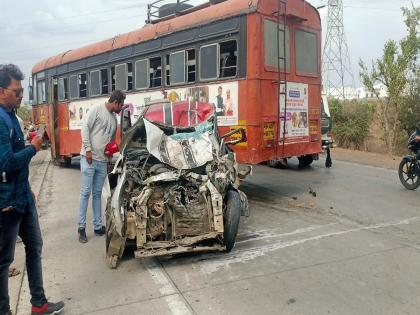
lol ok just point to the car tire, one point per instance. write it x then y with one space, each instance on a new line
231 218
108 224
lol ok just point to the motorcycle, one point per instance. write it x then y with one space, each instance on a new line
409 168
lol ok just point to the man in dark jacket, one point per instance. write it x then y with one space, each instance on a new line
18 215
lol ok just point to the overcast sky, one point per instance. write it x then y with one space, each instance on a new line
33 30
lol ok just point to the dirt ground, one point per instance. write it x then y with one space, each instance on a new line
367 158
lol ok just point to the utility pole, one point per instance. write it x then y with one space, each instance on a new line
336 70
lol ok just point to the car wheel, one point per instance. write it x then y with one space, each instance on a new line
108 225
231 218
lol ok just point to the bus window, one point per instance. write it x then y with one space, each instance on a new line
95 84
142 77
35 90
104 82
155 71
55 90
82 84
228 59
112 78
73 87
167 70
191 65
42 97
208 62
129 76
306 52
62 89
177 67
270 48
121 77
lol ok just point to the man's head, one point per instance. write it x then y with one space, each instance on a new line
11 91
219 90
116 101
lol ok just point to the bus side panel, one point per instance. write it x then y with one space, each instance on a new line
250 111
249 119
313 145
40 115
69 140
35 114
270 124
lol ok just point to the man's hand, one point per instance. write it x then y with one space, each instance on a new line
37 143
417 138
89 157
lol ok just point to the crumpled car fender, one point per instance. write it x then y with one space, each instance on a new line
117 209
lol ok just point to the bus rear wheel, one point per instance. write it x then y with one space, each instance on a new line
305 160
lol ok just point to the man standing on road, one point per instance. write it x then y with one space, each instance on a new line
18 214
98 129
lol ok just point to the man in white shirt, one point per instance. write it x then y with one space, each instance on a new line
98 129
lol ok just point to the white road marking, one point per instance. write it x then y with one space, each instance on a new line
243 255
172 297
265 234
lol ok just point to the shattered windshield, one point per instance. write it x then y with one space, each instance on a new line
180 114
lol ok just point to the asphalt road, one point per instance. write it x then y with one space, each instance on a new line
353 248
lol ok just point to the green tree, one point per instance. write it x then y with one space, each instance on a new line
394 70
24 112
410 116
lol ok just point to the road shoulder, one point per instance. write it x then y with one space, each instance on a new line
366 158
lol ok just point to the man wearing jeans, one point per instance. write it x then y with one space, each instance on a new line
98 129
18 215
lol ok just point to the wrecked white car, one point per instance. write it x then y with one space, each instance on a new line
177 184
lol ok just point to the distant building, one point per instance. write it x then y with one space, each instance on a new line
349 92
358 93
363 93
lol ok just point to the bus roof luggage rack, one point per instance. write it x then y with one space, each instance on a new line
159 11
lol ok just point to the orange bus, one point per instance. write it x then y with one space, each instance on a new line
257 61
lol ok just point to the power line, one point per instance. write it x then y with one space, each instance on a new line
66 43
370 8
79 15
87 24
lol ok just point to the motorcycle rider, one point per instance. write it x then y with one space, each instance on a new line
417 139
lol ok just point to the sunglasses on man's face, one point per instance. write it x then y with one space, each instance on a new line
18 92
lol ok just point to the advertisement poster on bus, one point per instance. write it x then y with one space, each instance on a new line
295 112
224 96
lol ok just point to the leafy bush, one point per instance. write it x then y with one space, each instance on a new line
351 122
25 113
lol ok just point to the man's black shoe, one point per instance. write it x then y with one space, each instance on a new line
48 308
100 231
82 235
